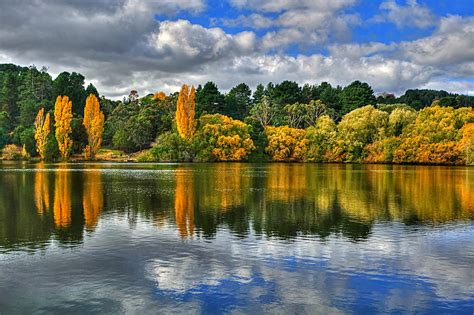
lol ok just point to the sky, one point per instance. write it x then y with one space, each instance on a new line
157 45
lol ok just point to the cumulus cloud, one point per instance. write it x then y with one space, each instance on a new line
411 14
120 45
254 21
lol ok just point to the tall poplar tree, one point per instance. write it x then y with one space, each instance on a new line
94 125
63 118
185 112
42 129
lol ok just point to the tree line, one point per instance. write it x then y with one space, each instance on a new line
54 119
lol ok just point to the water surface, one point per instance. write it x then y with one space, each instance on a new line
210 238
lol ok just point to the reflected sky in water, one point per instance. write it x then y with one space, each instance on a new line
216 238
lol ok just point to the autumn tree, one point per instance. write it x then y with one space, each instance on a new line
94 125
221 138
63 118
357 129
161 96
285 143
42 129
321 139
185 112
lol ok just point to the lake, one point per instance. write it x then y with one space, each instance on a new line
235 237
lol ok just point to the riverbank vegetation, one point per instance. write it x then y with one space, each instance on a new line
61 119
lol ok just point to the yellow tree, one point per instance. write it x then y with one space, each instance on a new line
159 96
94 124
185 111
42 129
62 118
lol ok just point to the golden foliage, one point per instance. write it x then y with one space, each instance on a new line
321 139
285 143
185 112
466 144
63 118
92 198
357 129
159 96
42 130
184 204
434 137
381 151
94 125
228 139
11 152
62 199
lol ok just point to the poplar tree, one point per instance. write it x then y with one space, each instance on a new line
94 125
42 130
185 112
63 118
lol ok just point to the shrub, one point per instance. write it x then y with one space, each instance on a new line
171 147
221 138
11 152
285 143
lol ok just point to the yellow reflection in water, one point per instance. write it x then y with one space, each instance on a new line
62 198
92 198
223 186
286 182
184 204
41 190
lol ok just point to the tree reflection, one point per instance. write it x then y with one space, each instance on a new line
92 197
41 190
183 203
275 200
62 198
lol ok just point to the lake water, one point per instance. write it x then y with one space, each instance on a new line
243 238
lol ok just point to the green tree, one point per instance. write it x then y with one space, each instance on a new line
356 95
258 94
91 90
71 85
330 96
9 95
209 100
238 101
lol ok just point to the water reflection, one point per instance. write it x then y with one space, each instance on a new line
62 198
41 190
184 203
92 198
283 200
289 238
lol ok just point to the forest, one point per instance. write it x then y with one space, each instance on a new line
42 118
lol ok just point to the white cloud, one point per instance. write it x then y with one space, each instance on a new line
254 21
411 14
121 46
286 5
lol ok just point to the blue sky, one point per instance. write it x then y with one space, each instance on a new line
160 44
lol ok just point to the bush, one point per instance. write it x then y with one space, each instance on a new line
221 138
286 144
11 152
51 148
171 147
27 138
